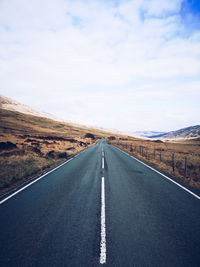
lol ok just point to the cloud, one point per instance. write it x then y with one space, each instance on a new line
161 7
72 58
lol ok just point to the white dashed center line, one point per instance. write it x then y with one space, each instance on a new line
103 225
102 162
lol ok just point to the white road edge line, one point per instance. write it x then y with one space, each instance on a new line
103 163
165 176
103 225
21 189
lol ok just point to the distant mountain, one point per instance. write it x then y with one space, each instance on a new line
185 133
147 134
10 104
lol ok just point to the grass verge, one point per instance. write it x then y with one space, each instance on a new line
15 171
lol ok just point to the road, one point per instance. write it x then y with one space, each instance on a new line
102 208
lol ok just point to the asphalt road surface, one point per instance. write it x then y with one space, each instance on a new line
102 208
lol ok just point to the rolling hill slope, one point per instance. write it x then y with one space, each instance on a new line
185 133
191 132
10 104
30 144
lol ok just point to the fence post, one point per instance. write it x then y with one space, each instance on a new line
160 155
173 161
185 171
131 149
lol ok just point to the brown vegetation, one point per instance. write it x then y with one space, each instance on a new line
180 159
30 145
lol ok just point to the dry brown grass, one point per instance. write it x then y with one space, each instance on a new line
18 169
160 154
40 144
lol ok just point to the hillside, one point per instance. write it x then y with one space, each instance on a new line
191 132
29 145
10 104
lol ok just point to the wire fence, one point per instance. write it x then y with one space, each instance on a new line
179 163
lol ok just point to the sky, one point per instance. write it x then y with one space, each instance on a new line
127 65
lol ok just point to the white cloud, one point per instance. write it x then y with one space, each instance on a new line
74 57
161 7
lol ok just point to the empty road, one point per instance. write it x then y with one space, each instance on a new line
102 208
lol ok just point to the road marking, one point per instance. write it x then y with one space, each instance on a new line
165 176
103 225
102 162
21 189
102 154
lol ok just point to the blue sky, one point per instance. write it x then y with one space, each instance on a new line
125 65
191 6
